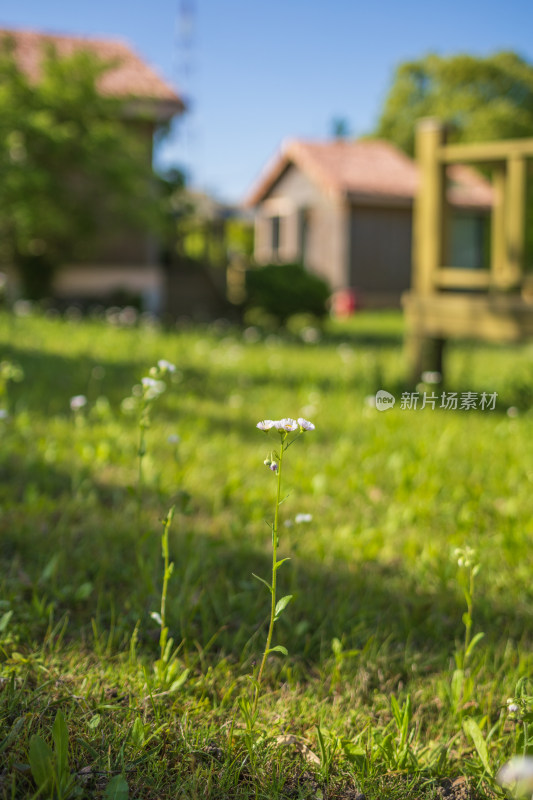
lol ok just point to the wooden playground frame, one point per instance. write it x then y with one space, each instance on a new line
451 302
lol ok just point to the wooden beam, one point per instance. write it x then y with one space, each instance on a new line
485 152
429 207
457 278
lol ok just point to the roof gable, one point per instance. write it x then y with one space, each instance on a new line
129 77
366 170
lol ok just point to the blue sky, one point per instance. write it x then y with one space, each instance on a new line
260 72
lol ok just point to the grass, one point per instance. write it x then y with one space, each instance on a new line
366 701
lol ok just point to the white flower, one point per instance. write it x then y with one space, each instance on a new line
299 518
513 708
173 438
266 424
517 776
286 424
305 425
77 402
273 466
148 382
166 366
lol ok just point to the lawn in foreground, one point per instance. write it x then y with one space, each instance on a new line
368 685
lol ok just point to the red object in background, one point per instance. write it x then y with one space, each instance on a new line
344 303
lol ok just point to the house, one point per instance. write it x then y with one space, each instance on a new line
344 209
127 263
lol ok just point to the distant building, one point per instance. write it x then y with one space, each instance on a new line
344 210
127 264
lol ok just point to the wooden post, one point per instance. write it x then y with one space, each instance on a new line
429 208
515 219
498 258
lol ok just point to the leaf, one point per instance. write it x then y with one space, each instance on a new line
472 729
281 604
269 587
474 642
137 733
117 789
288 740
278 564
41 761
4 620
178 683
60 737
280 649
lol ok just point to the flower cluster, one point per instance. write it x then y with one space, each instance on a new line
286 425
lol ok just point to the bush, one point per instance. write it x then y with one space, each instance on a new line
286 289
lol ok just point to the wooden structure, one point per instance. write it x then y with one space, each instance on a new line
445 302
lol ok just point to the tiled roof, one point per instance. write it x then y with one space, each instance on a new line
129 77
367 170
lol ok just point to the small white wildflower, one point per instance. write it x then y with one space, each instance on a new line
273 466
166 366
299 518
517 776
266 424
148 382
77 402
513 708
305 425
173 438
286 424
3 413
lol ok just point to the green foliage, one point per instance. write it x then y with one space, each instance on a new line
282 290
70 164
480 98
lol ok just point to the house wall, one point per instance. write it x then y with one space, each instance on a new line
380 253
325 251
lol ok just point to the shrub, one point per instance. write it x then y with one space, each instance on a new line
286 289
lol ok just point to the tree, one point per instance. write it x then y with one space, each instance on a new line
481 98
71 165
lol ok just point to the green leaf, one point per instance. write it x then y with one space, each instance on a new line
278 564
474 642
4 620
60 737
41 762
269 587
280 649
281 604
137 733
117 789
178 683
472 729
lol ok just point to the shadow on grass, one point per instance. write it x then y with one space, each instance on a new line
51 380
93 559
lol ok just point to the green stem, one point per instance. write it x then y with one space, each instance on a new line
274 571
166 576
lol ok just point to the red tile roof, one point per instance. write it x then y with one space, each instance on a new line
368 170
129 76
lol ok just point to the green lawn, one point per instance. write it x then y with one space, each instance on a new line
372 689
